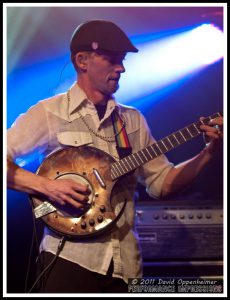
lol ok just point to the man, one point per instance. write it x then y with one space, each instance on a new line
83 117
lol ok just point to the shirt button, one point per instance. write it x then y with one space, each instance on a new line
75 142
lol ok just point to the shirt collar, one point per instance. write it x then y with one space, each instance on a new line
78 96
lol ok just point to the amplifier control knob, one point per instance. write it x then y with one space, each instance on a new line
156 216
208 216
181 216
164 216
190 216
139 215
199 216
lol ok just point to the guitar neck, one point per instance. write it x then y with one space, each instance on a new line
135 160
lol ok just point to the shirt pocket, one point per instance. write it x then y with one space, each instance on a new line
74 138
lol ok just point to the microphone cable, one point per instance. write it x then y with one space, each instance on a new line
35 240
60 247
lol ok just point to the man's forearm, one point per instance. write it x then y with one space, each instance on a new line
22 180
59 191
185 173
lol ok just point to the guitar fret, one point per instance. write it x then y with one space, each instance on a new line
112 173
164 145
182 135
157 149
142 152
138 163
142 156
179 137
170 141
116 170
193 130
119 163
116 175
154 150
189 131
186 135
149 153
122 162
119 168
132 161
167 143
129 167
123 166
159 146
113 169
139 157
198 131
176 139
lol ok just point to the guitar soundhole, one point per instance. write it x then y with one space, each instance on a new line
68 210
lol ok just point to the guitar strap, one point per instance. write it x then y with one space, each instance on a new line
123 145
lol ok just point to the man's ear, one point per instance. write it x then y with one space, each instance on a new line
81 60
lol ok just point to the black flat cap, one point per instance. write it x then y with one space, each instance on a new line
100 35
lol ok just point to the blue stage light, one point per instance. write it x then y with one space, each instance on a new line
162 62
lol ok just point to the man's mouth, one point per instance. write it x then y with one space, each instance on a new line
115 78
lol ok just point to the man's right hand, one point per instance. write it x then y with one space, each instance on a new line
62 191
67 191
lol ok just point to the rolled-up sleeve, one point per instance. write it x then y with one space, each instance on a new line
28 134
153 173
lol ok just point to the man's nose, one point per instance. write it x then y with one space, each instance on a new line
120 68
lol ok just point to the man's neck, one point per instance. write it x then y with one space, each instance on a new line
95 97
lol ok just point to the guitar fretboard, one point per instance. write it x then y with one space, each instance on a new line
135 160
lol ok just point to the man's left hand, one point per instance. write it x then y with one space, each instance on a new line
213 134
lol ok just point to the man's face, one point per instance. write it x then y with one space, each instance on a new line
104 70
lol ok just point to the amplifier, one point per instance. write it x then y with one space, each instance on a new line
180 233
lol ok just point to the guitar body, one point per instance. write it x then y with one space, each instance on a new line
85 165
